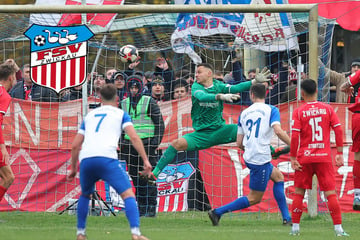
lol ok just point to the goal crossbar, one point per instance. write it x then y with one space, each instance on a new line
312 9
158 8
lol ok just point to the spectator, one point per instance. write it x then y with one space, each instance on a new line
218 75
146 83
279 87
74 94
158 92
236 77
98 83
181 89
337 79
27 90
119 79
163 69
251 73
290 93
186 75
109 74
149 125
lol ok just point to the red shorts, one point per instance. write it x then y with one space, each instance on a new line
325 174
356 132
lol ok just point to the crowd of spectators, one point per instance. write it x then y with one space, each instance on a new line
165 84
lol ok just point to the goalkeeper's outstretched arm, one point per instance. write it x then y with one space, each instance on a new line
260 77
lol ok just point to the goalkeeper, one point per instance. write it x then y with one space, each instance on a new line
208 96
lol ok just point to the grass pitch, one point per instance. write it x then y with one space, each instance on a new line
173 226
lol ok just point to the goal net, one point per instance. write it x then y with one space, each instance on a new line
39 133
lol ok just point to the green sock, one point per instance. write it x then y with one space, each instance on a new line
165 159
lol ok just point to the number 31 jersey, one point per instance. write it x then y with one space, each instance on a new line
255 123
313 120
102 129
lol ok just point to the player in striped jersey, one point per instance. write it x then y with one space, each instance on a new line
7 81
94 147
310 154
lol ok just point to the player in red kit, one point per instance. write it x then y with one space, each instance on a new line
310 154
348 88
7 81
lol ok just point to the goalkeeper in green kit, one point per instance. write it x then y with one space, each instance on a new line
208 96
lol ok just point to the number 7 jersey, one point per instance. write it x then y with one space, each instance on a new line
102 128
313 120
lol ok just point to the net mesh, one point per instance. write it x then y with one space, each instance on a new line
39 134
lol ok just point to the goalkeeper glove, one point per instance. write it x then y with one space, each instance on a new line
151 179
276 152
228 97
262 76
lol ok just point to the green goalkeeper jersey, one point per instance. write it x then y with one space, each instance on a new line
206 111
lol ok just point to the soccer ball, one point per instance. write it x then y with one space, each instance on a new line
39 40
128 54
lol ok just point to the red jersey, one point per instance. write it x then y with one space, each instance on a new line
4 104
354 79
313 120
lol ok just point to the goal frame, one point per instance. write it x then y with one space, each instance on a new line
312 9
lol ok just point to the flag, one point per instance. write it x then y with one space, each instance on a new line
264 31
345 12
58 55
101 19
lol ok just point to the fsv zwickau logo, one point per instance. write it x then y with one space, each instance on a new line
58 55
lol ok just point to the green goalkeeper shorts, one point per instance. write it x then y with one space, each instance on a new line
207 138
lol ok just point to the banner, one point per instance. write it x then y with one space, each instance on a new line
226 178
264 31
39 136
173 186
53 125
100 19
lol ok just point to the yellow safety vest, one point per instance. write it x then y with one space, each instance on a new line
143 124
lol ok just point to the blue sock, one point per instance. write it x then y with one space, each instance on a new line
132 212
278 191
238 204
82 211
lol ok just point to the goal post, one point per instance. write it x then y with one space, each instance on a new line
21 119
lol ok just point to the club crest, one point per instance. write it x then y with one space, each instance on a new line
58 55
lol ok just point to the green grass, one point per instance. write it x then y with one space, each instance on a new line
173 226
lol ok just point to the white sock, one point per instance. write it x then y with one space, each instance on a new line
296 227
135 231
338 228
357 193
80 231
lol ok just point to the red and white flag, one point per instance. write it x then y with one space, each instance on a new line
344 11
66 19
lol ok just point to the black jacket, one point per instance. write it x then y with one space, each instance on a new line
38 93
72 95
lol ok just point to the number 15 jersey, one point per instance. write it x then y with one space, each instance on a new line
313 120
256 123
